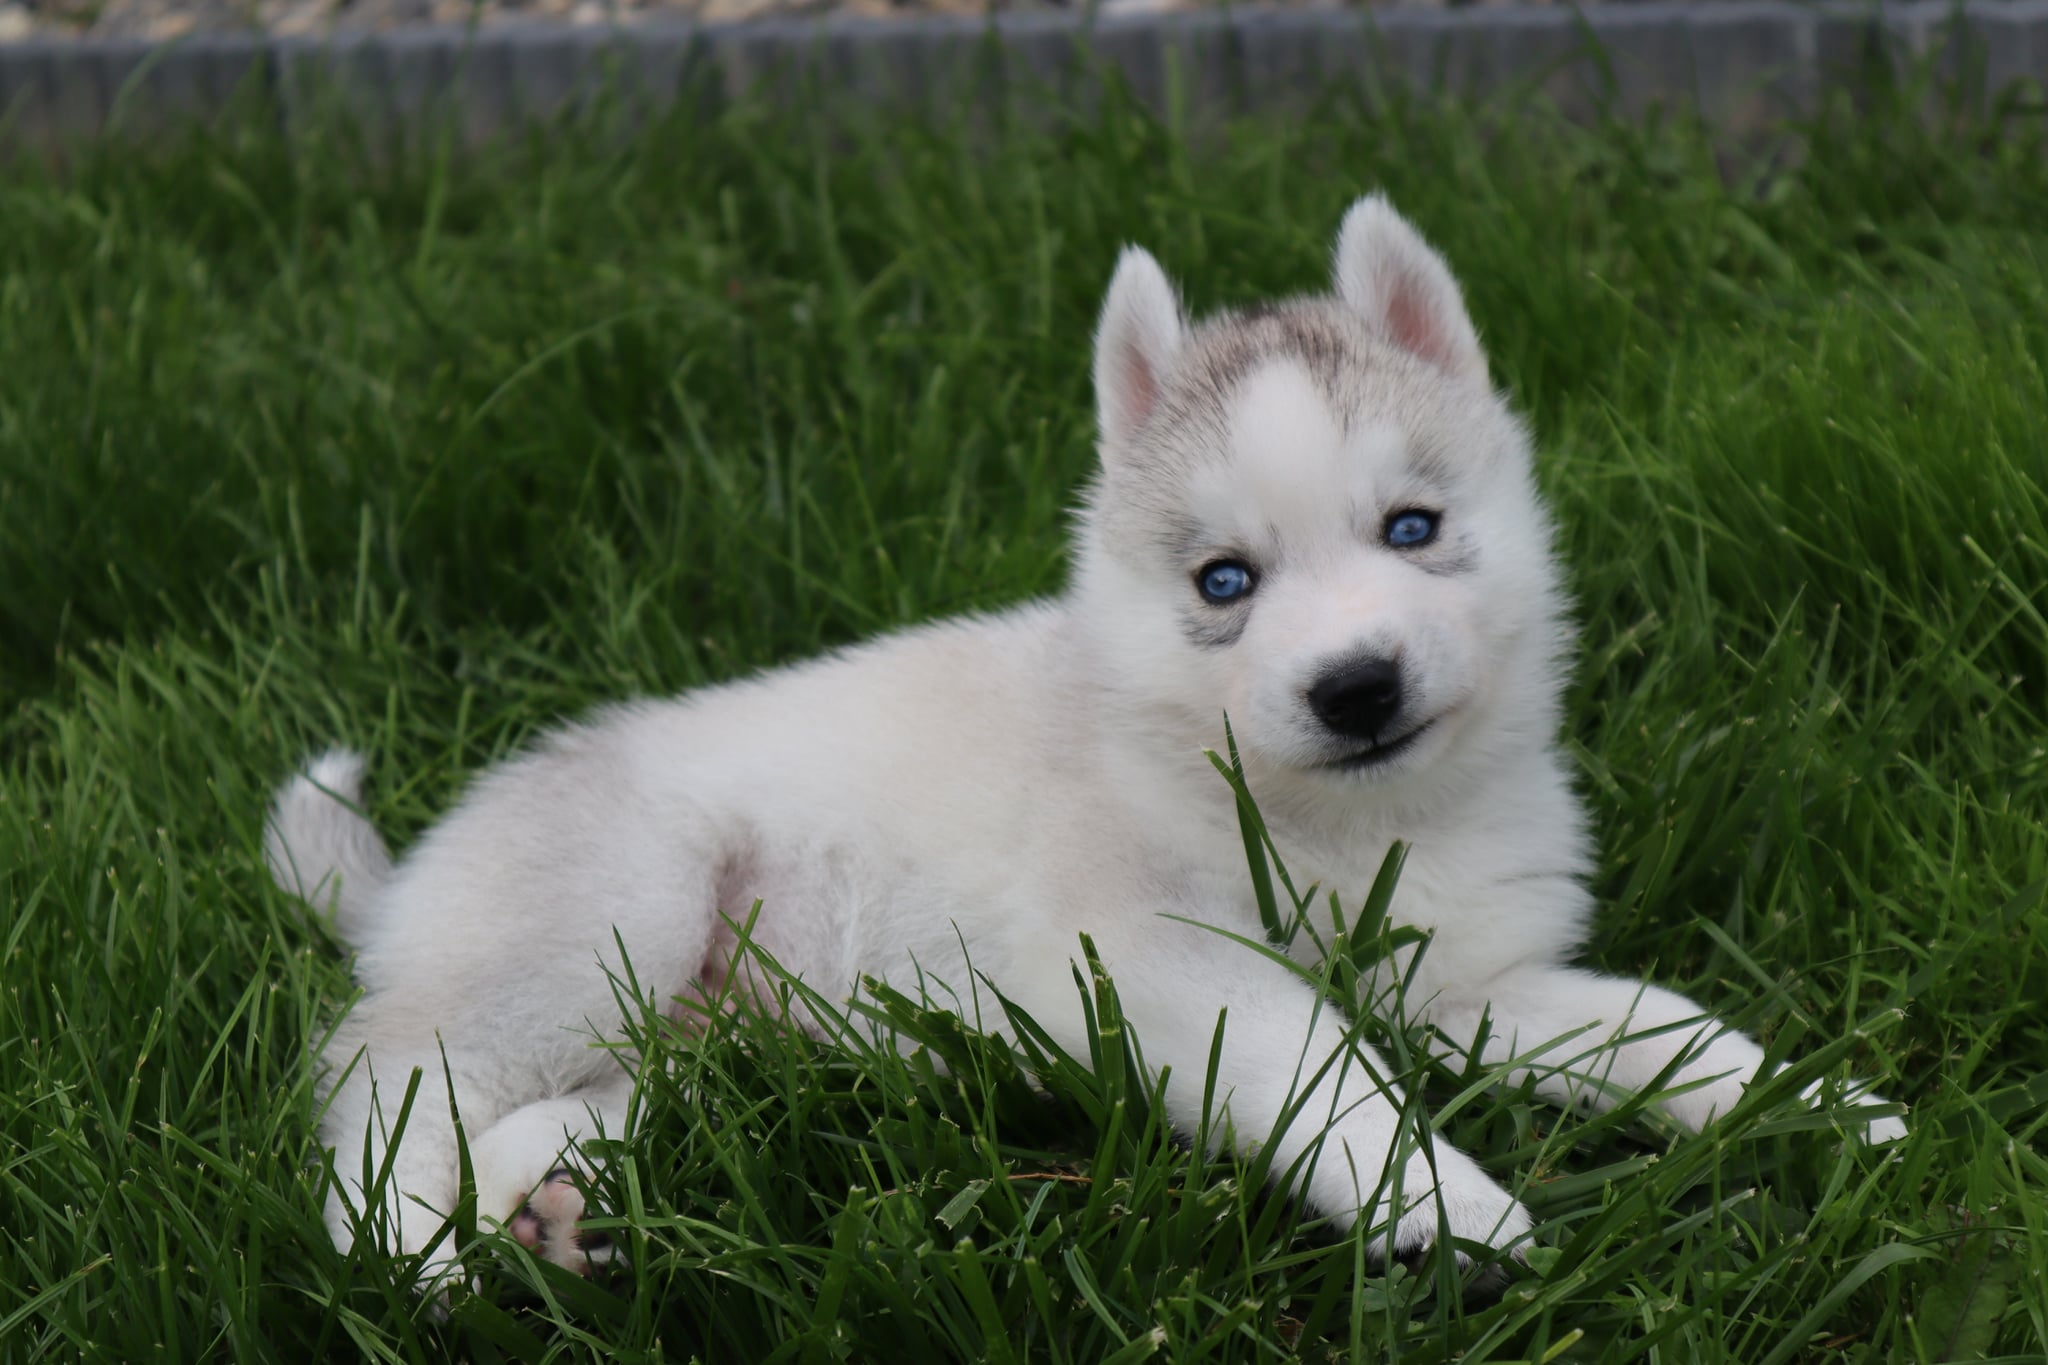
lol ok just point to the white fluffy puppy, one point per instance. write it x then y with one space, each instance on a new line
1317 518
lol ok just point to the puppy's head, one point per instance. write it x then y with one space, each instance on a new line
1319 518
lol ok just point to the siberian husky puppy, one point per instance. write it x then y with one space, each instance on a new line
1316 518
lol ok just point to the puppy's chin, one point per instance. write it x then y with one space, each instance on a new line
1382 754
1402 755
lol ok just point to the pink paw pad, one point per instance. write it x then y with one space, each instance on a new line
547 1224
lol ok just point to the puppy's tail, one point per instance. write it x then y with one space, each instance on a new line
321 848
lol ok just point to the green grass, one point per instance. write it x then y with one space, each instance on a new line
301 443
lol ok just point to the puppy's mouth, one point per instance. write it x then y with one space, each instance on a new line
1381 751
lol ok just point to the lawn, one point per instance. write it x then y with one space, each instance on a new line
302 441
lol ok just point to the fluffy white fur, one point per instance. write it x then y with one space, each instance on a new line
1008 783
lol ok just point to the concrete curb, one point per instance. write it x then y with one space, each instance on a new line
1744 64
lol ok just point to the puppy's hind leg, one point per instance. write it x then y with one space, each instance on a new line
530 1168
396 1163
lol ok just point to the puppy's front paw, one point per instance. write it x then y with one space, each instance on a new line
1875 1132
1698 1108
1460 1199
549 1224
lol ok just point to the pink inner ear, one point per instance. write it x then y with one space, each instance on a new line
1137 387
1413 325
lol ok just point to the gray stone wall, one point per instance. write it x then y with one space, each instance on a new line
1744 64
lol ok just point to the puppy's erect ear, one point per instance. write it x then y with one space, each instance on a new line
1135 345
1403 288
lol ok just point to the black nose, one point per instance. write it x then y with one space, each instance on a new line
1359 699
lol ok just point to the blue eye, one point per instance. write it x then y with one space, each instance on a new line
1406 530
1224 581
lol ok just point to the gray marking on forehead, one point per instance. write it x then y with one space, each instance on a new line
1228 348
1358 375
